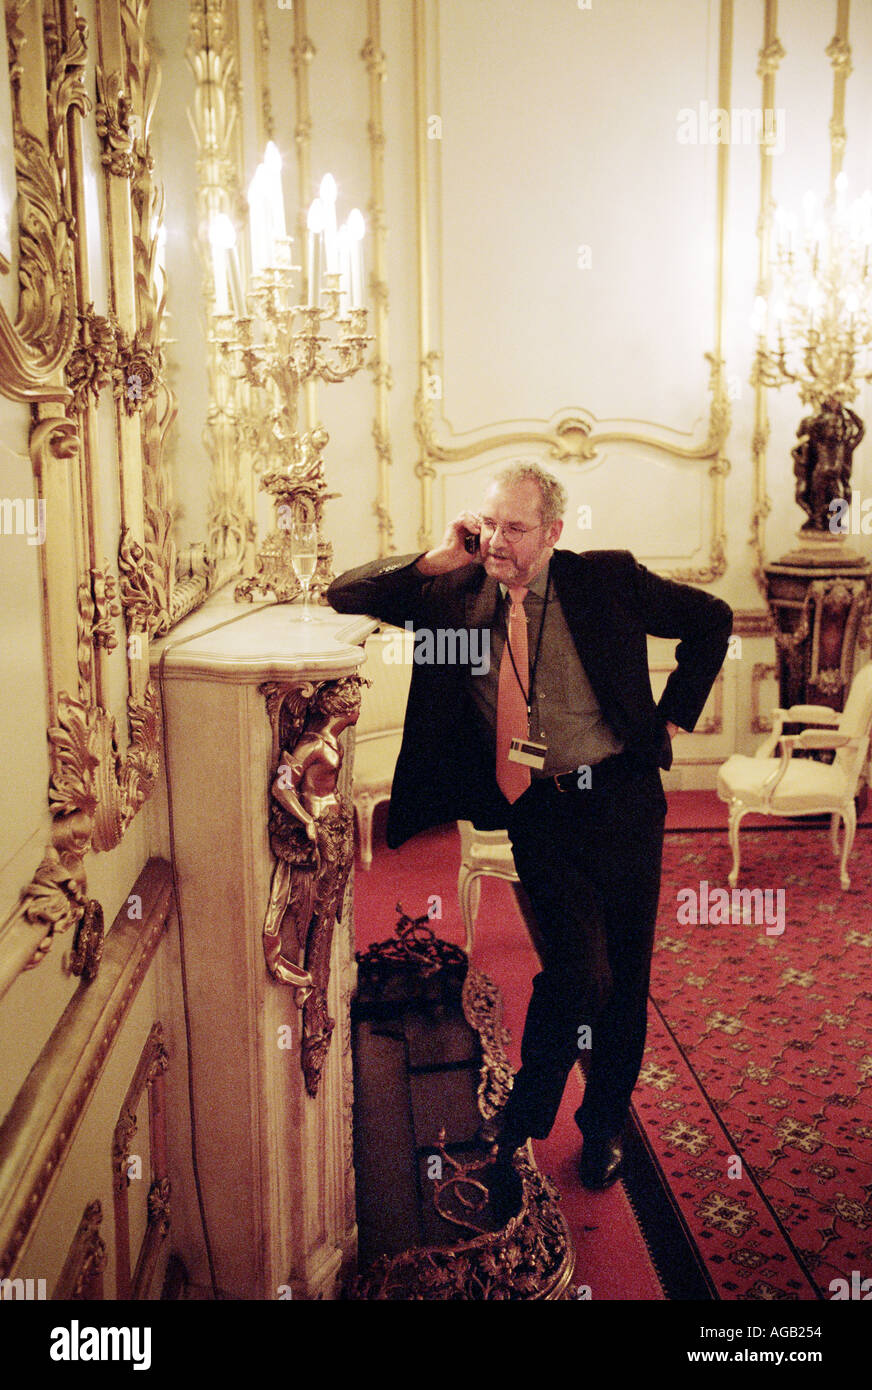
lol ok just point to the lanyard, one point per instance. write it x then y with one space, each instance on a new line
528 694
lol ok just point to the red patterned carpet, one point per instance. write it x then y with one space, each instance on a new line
759 1064
759 1053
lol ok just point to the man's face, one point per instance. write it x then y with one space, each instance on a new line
514 544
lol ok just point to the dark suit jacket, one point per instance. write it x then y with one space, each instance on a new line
610 602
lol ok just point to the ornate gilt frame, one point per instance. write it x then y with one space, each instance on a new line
57 356
148 1076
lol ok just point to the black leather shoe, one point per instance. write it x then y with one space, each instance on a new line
601 1160
505 1190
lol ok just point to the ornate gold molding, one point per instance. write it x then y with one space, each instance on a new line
87 951
42 1123
113 119
375 61
142 368
34 349
93 797
152 1064
216 120
761 670
839 53
769 59
65 77
137 584
266 123
82 1275
90 365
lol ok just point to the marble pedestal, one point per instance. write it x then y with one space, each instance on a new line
275 1163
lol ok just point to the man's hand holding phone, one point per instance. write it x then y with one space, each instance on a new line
458 547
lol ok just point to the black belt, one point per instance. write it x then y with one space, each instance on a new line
568 781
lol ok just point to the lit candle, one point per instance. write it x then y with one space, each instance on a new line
779 324
814 303
219 275
841 189
272 164
343 248
852 303
328 203
225 261
257 223
315 225
356 231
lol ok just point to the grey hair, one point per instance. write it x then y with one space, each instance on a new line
552 494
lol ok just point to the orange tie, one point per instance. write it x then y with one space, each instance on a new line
512 718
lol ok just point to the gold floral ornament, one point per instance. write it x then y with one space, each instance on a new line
91 363
113 117
137 373
137 583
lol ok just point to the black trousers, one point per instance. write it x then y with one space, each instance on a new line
589 861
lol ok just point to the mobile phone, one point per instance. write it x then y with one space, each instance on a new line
472 542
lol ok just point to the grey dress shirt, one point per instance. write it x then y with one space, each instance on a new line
564 713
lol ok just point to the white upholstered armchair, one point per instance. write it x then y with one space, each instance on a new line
788 786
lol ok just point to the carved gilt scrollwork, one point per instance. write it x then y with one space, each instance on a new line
82 1275
65 86
137 583
93 796
91 363
159 1210
311 836
152 1063
53 353
113 117
216 121
87 951
144 386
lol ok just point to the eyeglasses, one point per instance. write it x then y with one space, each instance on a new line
512 531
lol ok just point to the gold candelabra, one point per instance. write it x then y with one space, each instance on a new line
814 329
270 346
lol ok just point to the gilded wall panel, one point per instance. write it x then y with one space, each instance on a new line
89 208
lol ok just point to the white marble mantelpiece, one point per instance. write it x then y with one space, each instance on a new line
275 1163
250 643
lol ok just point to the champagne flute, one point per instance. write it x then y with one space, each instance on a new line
304 558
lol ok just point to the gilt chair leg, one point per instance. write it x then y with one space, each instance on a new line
850 818
736 813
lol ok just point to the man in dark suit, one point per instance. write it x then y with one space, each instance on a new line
559 741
